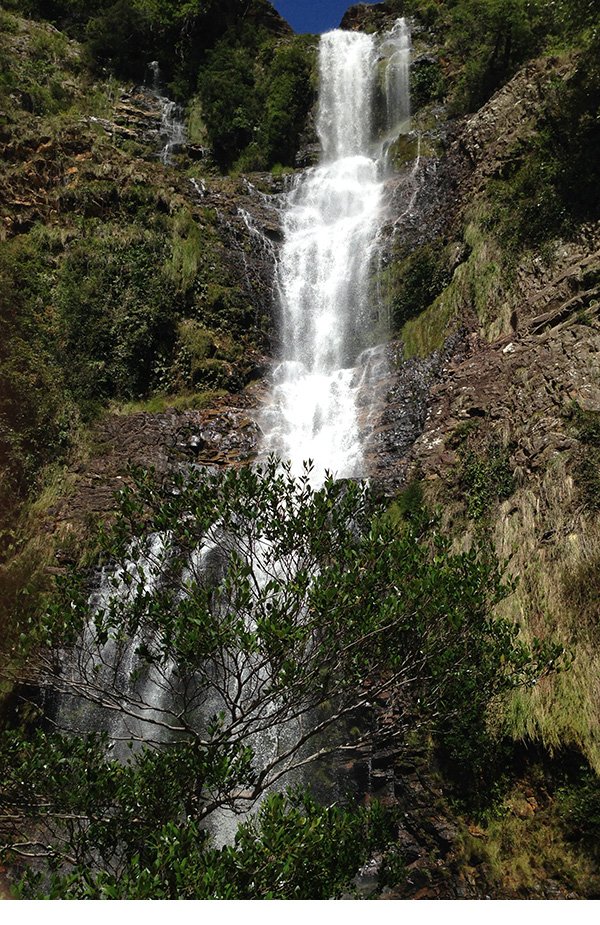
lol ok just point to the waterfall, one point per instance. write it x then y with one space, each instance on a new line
172 130
172 133
330 230
318 408
396 48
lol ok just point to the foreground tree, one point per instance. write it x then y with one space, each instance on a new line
244 625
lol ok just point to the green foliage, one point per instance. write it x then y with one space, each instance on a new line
587 477
115 307
218 39
291 849
38 70
484 42
579 803
288 92
159 403
230 105
427 83
120 37
240 590
553 184
484 474
255 98
416 282
492 38
187 248
409 503
34 416
534 838
202 359
586 425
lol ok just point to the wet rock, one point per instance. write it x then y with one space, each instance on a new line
396 416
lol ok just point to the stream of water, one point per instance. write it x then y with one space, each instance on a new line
323 278
172 135
324 269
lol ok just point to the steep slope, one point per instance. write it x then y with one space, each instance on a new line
123 277
490 273
148 289
523 387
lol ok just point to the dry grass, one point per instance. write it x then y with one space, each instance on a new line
525 849
552 548
554 552
185 401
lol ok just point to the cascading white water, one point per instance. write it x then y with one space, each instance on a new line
172 132
330 227
396 47
330 231
347 70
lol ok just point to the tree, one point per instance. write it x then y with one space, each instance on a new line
245 626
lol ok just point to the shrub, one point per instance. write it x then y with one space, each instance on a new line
484 474
251 600
579 805
116 309
255 99
288 92
416 282
34 411
427 83
586 469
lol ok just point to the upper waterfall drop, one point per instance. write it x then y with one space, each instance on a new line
330 229
347 70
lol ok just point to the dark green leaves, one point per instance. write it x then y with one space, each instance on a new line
245 624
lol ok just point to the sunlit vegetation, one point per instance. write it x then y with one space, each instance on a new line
115 293
416 632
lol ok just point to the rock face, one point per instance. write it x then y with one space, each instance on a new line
522 384
223 434
533 349
366 17
397 401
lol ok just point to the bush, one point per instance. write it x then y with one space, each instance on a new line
120 38
231 107
232 609
34 410
579 805
117 310
586 470
484 42
485 475
255 99
292 849
427 83
287 88
416 282
554 184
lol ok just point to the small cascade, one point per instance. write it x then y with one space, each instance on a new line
172 126
395 49
172 130
263 243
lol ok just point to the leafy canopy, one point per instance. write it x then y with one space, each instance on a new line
246 625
